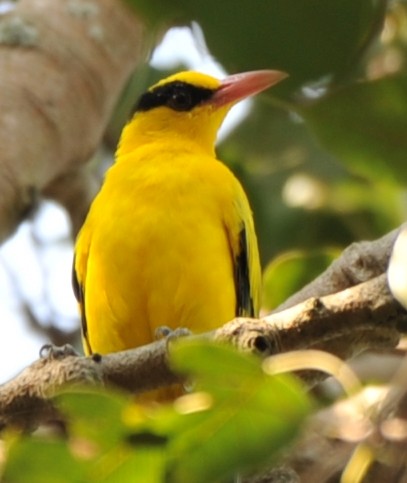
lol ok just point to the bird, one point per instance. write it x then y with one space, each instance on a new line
169 240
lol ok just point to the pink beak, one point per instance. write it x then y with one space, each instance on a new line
236 87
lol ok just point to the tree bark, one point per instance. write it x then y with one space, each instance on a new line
63 64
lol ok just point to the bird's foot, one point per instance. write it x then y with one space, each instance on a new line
51 351
164 332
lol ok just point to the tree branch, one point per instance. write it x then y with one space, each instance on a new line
359 262
346 323
359 318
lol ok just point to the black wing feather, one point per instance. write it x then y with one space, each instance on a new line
244 301
80 297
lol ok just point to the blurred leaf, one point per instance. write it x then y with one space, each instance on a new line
290 271
248 417
252 417
160 12
94 415
365 126
126 464
362 211
309 39
212 363
33 460
96 419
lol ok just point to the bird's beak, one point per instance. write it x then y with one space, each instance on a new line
236 87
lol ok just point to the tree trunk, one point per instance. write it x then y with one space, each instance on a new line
63 64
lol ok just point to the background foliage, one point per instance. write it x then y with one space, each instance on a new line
237 419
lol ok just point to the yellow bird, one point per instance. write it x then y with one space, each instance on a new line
169 240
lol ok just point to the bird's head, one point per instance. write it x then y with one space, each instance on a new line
190 106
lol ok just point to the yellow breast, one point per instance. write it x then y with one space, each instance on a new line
158 251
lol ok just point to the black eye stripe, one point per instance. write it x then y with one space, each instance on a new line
177 95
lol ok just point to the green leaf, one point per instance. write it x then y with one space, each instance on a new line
130 465
212 363
94 415
252 417
365 126
159 12
309 39
32 460
290 271
246 419
96 418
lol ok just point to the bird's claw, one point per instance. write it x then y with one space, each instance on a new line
164 332
51 351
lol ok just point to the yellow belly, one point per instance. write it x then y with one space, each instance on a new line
158 253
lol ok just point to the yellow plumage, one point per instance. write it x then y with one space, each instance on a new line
169 240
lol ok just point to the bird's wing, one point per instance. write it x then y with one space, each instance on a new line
246 262
79 291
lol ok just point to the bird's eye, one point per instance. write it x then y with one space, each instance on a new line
180 101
